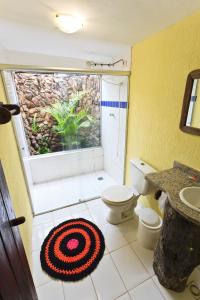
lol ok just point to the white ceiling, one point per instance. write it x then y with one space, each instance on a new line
121 21
28 34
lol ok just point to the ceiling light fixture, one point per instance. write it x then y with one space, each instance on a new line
68 23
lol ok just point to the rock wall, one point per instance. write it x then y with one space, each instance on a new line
39 91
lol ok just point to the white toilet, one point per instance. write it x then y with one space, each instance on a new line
121 199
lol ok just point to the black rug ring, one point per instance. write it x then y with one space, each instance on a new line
72 250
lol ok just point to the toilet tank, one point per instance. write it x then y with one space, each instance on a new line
139 169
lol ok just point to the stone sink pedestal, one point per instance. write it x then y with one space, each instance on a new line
178 249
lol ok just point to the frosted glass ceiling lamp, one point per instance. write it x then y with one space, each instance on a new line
69 24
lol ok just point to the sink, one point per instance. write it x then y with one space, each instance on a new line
190 196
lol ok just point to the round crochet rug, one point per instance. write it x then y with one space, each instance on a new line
72 250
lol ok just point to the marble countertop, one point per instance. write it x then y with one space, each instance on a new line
172 181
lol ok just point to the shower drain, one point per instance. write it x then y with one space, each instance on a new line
100 178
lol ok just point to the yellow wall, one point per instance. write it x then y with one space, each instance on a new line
13 171
160 66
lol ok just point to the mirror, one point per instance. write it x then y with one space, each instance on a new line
190 117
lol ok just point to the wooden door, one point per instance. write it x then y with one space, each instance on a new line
15 277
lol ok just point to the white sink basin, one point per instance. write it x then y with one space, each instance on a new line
190 196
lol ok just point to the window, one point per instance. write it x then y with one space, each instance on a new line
60 112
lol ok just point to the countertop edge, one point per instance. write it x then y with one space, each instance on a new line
173 196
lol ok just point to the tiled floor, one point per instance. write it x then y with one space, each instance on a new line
60 193
124 273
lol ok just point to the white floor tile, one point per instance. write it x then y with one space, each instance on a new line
113 237
82 289
60 193
126 267
107 282
83 214
88 187
105 183
61 215
106 251
70 190
145 255
46 196
129 266
74 209
146 291
39 234
41 219
39 276
98 211
124 297
55 194
97 203
129 230
51 291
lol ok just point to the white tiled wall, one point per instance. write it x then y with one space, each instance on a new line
109 157
64 164
114 88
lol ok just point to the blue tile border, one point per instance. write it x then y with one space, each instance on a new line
119 104
193 98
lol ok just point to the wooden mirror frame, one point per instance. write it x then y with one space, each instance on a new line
186 102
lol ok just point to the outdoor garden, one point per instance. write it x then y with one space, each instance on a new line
60 112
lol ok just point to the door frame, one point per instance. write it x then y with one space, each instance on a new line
16 134
27 286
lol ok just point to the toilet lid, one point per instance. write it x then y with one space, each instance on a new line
117 193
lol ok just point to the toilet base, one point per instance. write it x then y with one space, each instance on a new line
112 219
117 215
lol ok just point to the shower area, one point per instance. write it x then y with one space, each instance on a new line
71 134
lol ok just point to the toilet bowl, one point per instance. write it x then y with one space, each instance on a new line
121 199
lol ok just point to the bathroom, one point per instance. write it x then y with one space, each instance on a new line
160 53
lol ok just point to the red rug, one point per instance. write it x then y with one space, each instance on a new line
72 250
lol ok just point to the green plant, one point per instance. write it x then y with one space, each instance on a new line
68 120
34 126
44 146
43 150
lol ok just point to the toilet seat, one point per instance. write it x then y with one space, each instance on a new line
117 195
